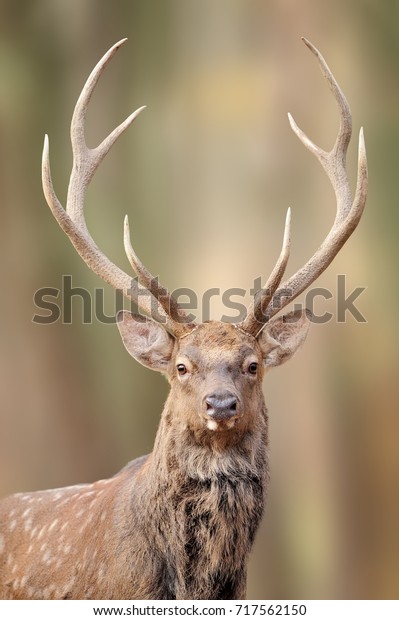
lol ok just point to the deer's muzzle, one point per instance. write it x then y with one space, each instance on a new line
220 406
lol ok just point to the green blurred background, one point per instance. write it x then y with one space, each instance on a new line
206 174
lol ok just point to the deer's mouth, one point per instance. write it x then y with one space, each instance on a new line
221 425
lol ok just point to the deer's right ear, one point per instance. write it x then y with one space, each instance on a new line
148 342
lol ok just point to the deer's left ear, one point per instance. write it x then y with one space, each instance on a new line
282 337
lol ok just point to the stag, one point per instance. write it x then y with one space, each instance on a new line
178 523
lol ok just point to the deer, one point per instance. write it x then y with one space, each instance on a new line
180 522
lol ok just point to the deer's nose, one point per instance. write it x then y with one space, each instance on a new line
221 406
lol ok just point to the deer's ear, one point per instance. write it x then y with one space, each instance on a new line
148 342
282 337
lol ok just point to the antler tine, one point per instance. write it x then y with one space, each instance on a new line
72 220
146 279
256 312
333 162
348 213
87 160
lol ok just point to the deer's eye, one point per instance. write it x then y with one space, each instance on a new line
181 369
253 368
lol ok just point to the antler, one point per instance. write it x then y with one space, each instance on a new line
267 301
257 310
72 220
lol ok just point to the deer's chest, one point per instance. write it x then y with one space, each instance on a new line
215 525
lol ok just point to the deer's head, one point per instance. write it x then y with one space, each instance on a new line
215 369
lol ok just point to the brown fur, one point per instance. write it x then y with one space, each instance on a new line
177 524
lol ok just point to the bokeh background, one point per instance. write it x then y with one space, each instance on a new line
206 174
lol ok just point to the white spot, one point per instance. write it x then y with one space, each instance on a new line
103 515
47 559
64 501
107 481
23 581
64 526
52 526
10 558
43 547
57 495
12 525
87 494
25 498
26 512
14 568
30 548
212 425
60 546
80 512
12 513
2 543
67 548
28 525
31 499
101 572
33 532
16 584
40 534
58 563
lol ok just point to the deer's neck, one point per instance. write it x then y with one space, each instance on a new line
210 500
196 507
188 453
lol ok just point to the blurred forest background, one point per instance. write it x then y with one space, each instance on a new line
206 174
